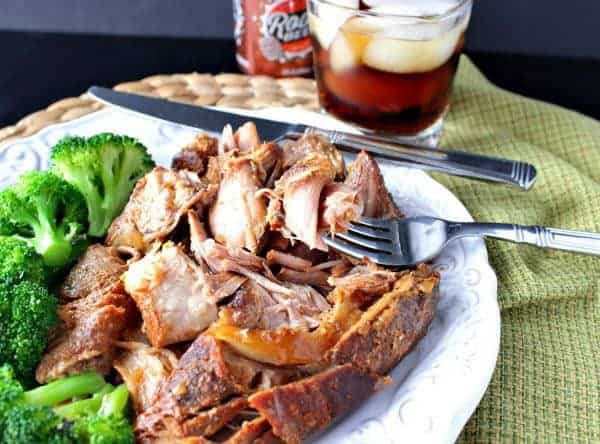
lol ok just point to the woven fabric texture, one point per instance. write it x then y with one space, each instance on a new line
546 385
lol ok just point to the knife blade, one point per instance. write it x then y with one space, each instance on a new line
458 163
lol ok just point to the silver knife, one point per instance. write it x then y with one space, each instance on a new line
458 163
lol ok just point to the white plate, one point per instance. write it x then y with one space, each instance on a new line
436 387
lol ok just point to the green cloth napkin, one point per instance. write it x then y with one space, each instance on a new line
547 380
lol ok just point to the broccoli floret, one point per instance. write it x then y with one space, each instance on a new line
31 424
27 313
104 168
20 262
27 416
11 391
109 425
46 212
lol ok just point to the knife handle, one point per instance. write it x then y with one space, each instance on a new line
458 163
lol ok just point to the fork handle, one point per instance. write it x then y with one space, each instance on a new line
558 239
458 163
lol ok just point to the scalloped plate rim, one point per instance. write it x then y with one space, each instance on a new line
36 148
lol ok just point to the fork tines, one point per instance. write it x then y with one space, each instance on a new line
367 238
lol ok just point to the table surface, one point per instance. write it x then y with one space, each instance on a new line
39 68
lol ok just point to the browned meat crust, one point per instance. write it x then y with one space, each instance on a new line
313 143
98 268
365 283
257 308
250 431
392 326
282 361
194 156
365 177
300 408
208 373
209 422
86 337
144 369
157 202
268 438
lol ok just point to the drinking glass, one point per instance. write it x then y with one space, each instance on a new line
387 66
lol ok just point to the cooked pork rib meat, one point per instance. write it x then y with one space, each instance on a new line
313 143
315 278
209 422
340 205
275 257
392 326
168 288
365 177
207 374
300 408
221 259
99 268
297 409
296 199
273 359
285 344
158 201
365 282
250 431
144 369
296 269
220 286
268 159
254 307
86 335
238 216
306 199
195 156
244 139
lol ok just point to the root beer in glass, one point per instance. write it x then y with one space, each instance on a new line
388 65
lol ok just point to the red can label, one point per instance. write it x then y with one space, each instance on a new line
272 37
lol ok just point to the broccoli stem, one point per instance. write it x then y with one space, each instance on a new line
84 407
49 241
92 198
54 248
99 225
114 403
64 389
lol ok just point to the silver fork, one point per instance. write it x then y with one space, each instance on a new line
408 242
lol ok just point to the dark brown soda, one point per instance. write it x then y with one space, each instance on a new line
403 104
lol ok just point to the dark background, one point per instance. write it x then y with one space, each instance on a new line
52 49
541 27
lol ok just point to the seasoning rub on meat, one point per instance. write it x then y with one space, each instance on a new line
218 304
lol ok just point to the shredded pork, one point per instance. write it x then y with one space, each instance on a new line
168 289
240 326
